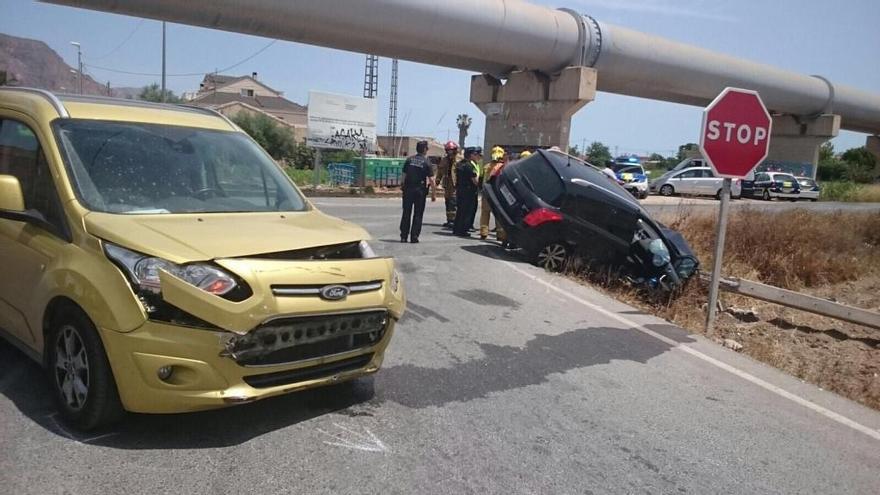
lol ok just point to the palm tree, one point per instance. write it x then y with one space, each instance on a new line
464 123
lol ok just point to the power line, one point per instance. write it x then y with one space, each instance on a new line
189 74
126 40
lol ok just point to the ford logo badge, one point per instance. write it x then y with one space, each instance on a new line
334 292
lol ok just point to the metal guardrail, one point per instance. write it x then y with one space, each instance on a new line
800 301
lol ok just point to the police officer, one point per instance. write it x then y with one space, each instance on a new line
466 187
417 177
446 178
477 163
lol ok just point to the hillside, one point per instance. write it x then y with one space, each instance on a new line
32 63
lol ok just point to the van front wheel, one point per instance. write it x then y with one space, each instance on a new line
79 372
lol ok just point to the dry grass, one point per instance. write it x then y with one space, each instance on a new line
792 249
829 255
868 194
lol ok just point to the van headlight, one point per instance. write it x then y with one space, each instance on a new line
366 250
143 272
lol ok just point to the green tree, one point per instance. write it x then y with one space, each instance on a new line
685 150
275 138
830 167
860 164
154 93
574 151
598 154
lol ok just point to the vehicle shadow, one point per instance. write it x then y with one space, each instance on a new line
24 384
492 249
501 368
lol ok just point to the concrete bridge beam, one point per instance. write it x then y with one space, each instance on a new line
873 145
531 109
797 140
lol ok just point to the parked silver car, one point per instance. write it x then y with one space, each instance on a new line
693 181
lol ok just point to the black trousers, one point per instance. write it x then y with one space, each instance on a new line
466 211
413 211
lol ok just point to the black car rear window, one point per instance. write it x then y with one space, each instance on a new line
542 179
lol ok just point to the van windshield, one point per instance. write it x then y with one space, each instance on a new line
135 168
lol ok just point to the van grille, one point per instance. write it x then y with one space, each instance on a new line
290 340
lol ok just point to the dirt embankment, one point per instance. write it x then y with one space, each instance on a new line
835 256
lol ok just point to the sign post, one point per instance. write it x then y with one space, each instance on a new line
734 139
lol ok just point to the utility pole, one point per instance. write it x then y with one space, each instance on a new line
371 76
392 111
79 63
163 61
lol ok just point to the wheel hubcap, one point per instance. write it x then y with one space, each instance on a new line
552 257
71 368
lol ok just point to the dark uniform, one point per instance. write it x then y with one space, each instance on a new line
417 170
466 195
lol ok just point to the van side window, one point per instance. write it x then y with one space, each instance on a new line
690 174
22 157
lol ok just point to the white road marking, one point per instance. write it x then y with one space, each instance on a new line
352 439
75 437
875 434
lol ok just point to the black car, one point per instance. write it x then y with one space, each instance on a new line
553 206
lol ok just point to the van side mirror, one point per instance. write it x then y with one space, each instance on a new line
11 197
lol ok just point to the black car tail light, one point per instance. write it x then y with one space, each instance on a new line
541 216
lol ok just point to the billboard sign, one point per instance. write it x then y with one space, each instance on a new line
342 122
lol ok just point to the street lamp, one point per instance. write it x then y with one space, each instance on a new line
79 62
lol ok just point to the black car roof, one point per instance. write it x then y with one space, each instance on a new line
569 167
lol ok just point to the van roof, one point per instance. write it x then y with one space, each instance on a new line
51 106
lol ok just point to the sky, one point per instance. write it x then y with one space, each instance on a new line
838 40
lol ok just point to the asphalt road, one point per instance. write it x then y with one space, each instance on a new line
500 379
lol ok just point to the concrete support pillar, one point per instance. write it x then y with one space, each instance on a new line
531 109
873 145
795 142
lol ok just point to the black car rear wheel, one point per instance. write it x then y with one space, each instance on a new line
552 256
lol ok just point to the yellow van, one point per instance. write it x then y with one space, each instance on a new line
155 259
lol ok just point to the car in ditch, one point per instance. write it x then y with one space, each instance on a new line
556 206
157 260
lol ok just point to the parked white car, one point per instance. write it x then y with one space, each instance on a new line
693 181
809 189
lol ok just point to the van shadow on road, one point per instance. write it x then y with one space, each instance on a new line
502 368
506 368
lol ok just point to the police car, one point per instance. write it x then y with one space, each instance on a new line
631 175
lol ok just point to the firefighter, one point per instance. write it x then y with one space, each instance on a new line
418 176
466 187
446 178
498 160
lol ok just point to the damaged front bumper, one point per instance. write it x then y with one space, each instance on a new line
203 376
283 338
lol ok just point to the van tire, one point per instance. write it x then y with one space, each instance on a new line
667 190
79 372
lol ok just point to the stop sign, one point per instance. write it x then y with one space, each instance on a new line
736 133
